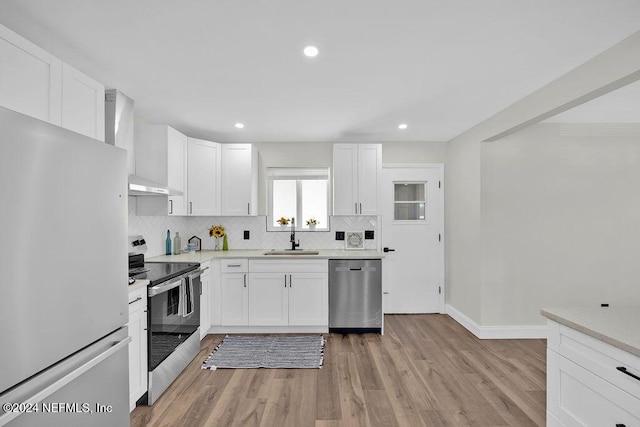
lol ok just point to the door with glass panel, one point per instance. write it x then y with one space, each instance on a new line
412 234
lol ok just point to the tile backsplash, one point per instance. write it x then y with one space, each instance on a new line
154 229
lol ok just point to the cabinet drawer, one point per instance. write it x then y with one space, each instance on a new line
137 299
289 266
604 360
237 265
584 399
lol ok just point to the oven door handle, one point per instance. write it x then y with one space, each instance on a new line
156 290
195 274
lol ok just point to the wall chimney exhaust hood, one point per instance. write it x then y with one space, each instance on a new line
143 187
119 132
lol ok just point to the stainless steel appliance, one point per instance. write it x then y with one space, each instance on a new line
63 299
173 315
355 295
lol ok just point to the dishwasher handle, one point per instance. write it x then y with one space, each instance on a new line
342 269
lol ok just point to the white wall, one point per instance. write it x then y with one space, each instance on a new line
560 220
465 238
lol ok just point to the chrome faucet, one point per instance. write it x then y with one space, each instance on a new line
294 245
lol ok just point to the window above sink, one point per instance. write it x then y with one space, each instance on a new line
300 193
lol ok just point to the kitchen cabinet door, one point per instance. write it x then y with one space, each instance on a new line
30 78
205 300
239 180
138 346
234 302
268 294
582 398
177 171
345 179
203 177
308 299
82 103
356 171
369 166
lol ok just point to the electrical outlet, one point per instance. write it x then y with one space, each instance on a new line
246 234
339 235
368 234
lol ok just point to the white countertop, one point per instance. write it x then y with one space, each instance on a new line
617 326
204 256
138 284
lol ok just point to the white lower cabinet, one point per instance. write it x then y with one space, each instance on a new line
309 299
138 346
274 293
234 299
205 299
294 299
268 299
585 386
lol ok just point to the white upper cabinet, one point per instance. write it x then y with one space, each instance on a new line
239 180
30 78
203 177
186 165
161 157
177 171
356 171
35 83
82 103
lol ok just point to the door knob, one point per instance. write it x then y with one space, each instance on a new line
388 250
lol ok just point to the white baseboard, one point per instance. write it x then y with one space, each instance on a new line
496 332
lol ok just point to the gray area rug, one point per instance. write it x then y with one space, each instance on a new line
304 351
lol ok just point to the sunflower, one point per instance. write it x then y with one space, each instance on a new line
216 231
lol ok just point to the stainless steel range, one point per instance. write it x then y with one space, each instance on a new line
173 318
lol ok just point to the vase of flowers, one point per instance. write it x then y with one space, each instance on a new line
217 231
283 221
312 222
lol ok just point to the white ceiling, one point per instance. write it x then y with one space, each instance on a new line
441 66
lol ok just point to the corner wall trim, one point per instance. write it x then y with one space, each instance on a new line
496 332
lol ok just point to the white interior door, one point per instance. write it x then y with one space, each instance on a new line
412 229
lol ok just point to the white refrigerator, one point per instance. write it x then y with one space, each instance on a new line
63 277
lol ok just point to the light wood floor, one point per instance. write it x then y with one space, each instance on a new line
426 370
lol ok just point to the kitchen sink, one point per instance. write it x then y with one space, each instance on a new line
292 252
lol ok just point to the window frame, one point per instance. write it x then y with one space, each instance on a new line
427 209
271 173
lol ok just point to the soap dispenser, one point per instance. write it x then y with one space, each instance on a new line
176 244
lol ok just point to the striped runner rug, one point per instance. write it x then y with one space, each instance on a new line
289 352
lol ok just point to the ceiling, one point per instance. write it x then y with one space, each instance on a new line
439 66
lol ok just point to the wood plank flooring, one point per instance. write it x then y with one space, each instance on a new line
427 370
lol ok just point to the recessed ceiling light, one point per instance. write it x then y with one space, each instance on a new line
311 51
402 126
239 126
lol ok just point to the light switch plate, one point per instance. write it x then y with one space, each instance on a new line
339 235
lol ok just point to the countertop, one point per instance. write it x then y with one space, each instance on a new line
204 256
138 284
617 326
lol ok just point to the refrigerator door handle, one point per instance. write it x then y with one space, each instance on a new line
68 378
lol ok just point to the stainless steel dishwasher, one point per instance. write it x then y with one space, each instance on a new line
355 295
